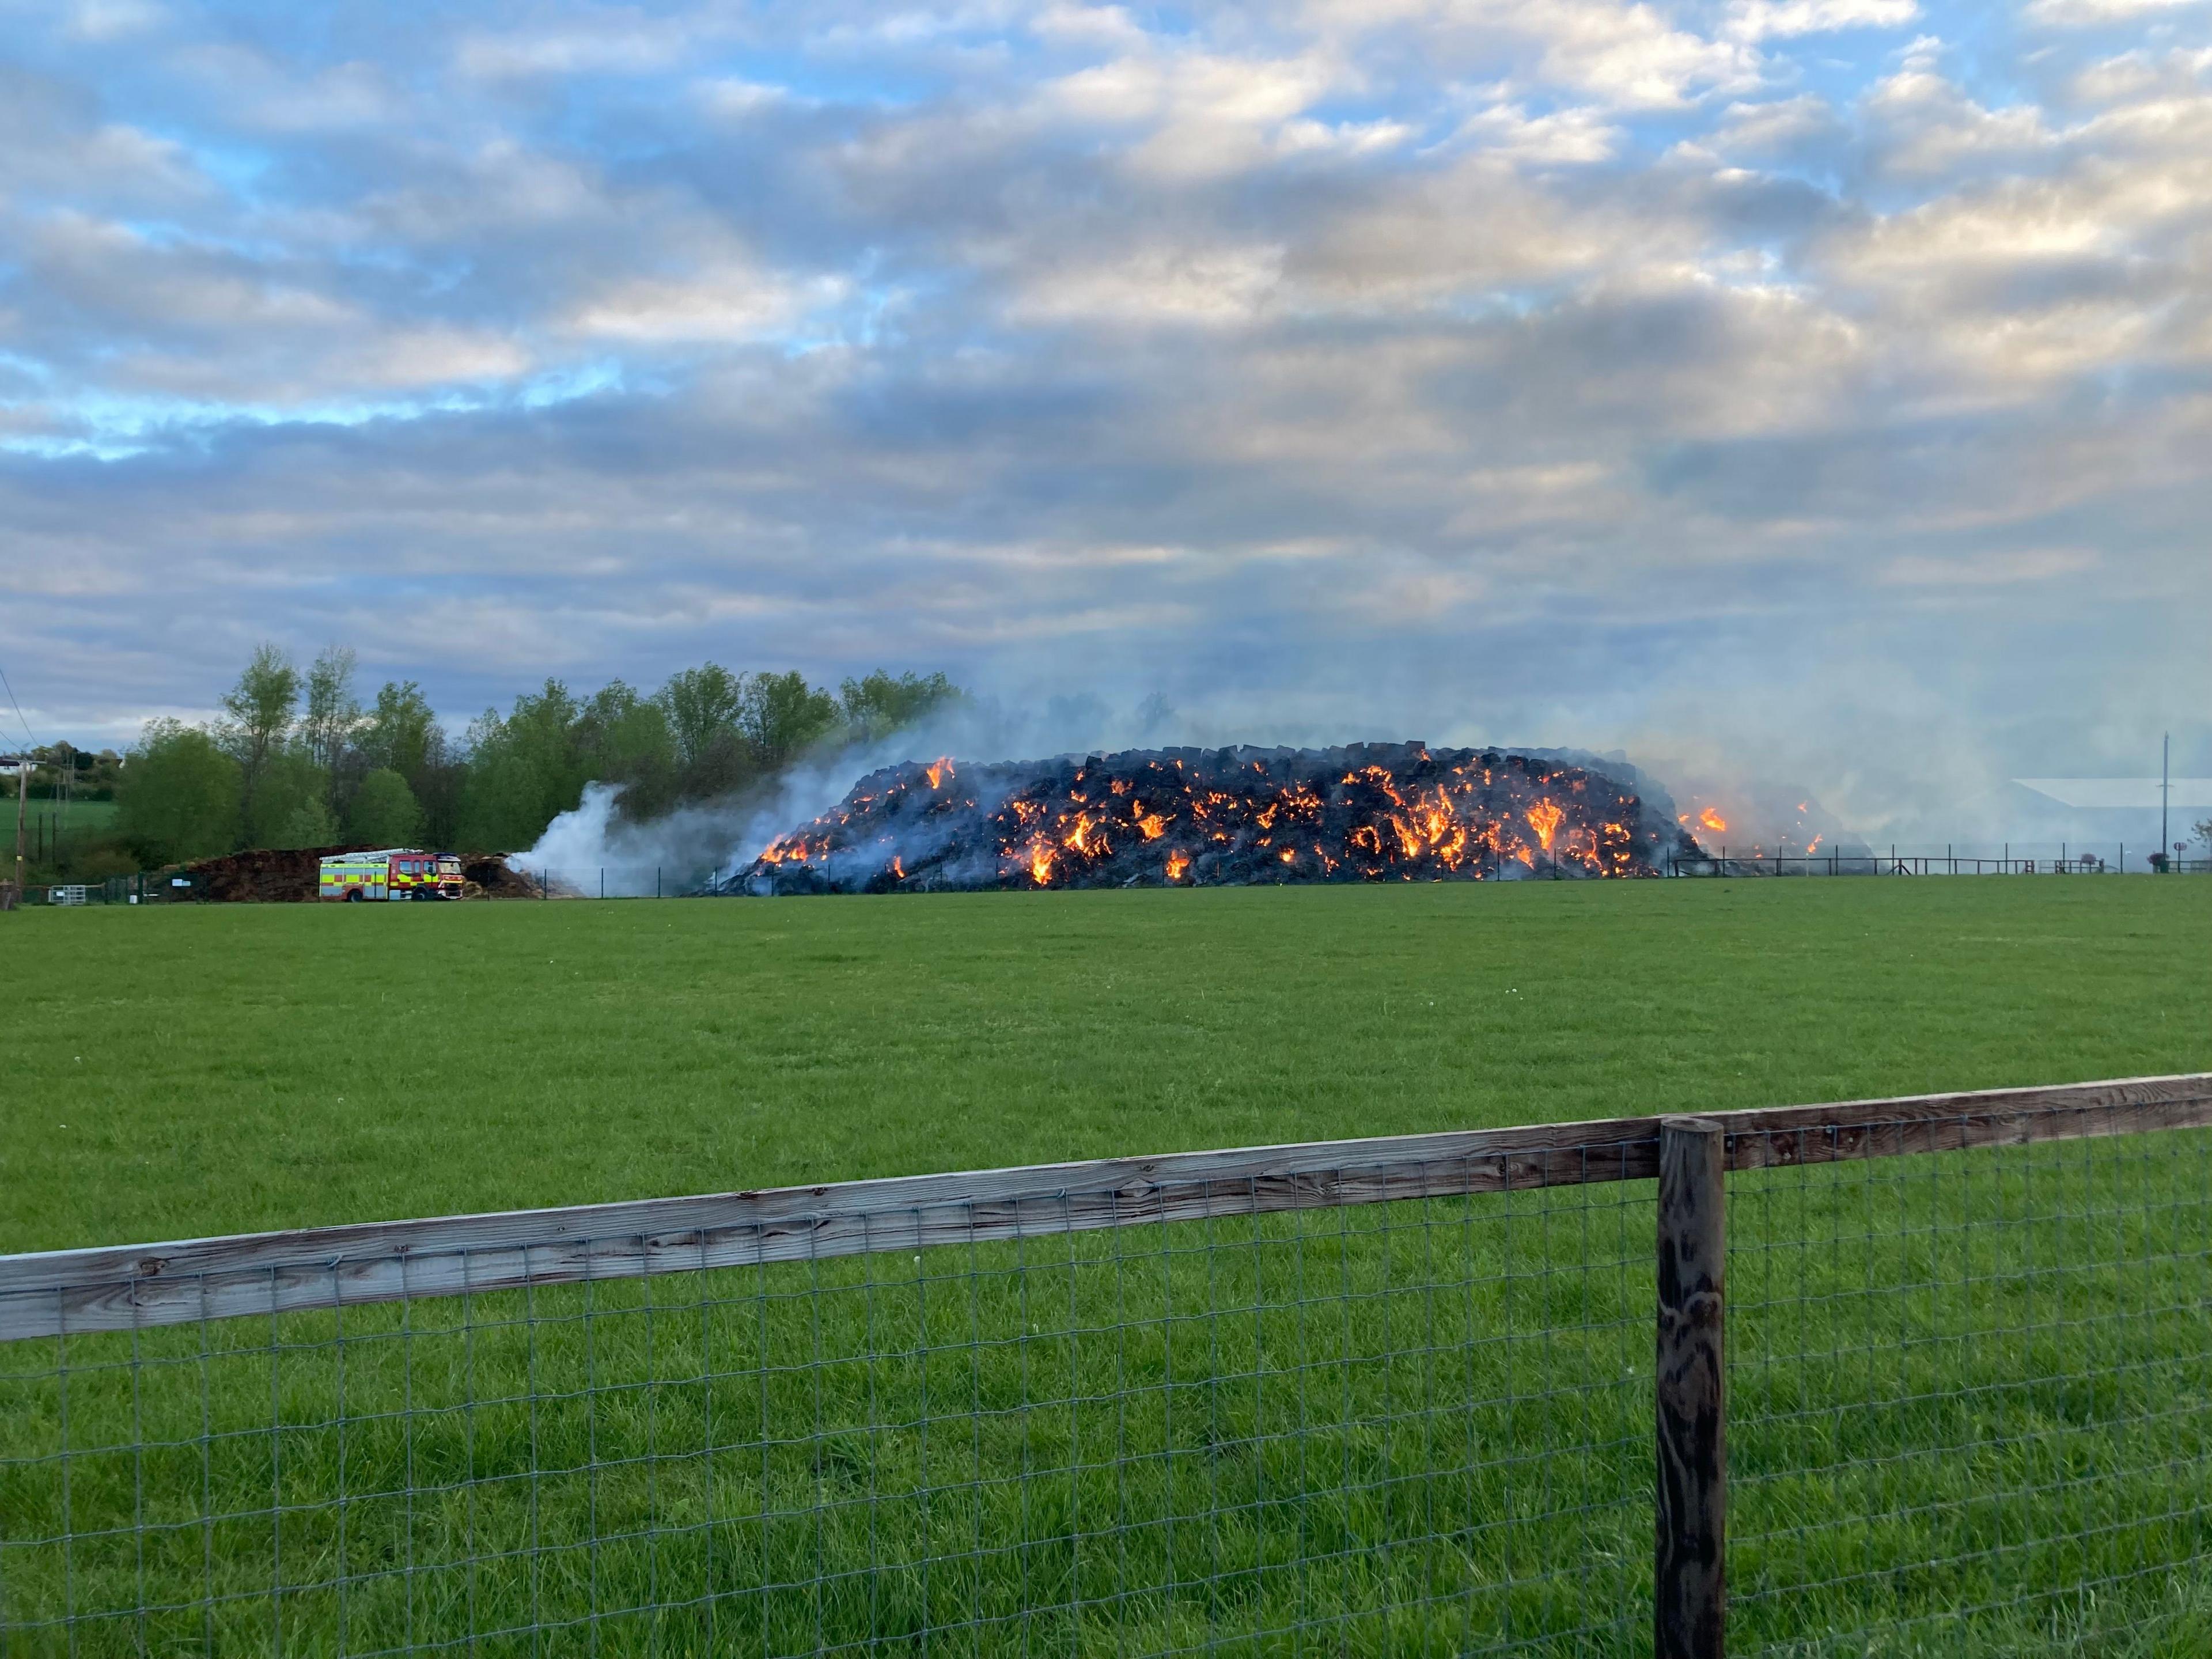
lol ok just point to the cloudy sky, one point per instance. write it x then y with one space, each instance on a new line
1822 383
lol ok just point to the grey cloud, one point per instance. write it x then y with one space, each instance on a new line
1366 378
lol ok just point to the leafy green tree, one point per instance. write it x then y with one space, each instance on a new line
292 807
259 711
702 704
54 771
400 733
333 715
178 795
385 812
876 706
782 716
440 788
62 770
708 732
713 756
309 823
523 770
623 738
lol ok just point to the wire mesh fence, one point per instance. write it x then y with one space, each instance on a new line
1972 1406
1219 1431
1953 859
1366 1398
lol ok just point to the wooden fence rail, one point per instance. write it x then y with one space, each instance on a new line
119 1288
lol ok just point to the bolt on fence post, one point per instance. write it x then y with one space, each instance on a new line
1689 1581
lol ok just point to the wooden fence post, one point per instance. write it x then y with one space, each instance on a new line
1689 1584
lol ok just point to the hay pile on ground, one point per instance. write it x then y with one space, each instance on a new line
495 878
291 875
263 875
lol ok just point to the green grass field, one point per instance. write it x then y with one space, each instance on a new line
69 840
1974 1393
70 817
174 1072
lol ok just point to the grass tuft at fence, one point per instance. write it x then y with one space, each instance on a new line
1360 1397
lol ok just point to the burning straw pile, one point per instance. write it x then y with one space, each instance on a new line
1226 817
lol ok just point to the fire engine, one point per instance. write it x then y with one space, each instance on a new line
396 873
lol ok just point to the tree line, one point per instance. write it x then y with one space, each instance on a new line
297 759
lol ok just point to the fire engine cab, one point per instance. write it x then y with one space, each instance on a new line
396 873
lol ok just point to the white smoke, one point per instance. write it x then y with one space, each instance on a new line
593 850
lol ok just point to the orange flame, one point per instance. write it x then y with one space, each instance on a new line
1711 819
1153 825
1041 854
1544 817
1177 863
938 774
1290 855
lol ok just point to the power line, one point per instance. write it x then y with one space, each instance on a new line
20 720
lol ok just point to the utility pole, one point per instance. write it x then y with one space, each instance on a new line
2165 792
12 894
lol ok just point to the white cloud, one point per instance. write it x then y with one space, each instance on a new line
1090 26
626 44
2001 568
101 20
1762 20
1563 135
1782 127
2097 13
1922 123
1634 58
730 305
1195 114
733 97
1174 285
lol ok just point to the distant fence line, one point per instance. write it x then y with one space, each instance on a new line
597 881
667 881
1950 861
1815 1377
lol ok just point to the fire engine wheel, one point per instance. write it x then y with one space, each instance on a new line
354 898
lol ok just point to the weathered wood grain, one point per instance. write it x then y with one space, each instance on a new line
1946 1123
1689 1389
120 1287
